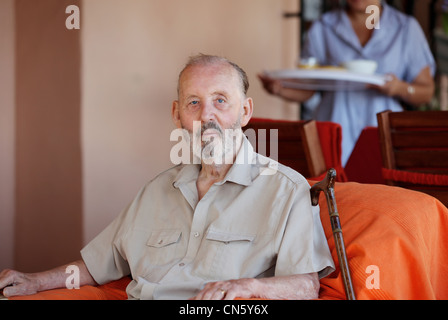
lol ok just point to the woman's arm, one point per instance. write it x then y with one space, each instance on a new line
420 91
274 87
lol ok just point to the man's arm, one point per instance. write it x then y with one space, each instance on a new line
17 283
295 287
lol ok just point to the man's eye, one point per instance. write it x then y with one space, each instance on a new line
194 102
220 100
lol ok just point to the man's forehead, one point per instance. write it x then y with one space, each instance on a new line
210 76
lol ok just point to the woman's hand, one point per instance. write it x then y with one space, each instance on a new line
273 86
420 91
393 87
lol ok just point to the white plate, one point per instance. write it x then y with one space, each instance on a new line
326 79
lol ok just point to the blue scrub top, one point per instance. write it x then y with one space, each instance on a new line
399 46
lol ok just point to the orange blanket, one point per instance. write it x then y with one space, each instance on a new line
396 241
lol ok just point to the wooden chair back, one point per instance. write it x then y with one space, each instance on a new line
298 144
414 144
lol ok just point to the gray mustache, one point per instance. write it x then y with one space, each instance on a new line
211 125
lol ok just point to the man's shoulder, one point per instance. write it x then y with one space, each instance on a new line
271 168
160 185
169 174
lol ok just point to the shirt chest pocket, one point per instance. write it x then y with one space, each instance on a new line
227 255
164 246
163 238
227 238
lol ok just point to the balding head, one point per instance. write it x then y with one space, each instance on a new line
204 60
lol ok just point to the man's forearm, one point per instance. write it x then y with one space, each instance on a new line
295 287
18 283
57 277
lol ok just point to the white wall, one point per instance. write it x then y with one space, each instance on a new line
7 128
132 53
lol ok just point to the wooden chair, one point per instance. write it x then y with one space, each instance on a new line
414 147
298 144
327 187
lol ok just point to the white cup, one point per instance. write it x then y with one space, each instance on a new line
361 66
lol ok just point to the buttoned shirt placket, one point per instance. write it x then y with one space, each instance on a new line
188 188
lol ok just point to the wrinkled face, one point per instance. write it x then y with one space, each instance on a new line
210 105
361 5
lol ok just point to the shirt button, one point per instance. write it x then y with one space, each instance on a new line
181 264
196 234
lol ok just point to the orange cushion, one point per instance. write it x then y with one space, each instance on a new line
395 235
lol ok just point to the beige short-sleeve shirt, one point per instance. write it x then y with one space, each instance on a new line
257 222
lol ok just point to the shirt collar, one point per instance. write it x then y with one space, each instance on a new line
340 23
240 172
188 173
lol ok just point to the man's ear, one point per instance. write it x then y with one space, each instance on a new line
175 113
248 109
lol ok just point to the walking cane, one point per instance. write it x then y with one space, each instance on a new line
327 186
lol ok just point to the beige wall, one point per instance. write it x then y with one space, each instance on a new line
6 133
85 115
132 53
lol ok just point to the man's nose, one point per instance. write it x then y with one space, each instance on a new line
207 111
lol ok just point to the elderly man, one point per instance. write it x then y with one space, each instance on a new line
214 230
